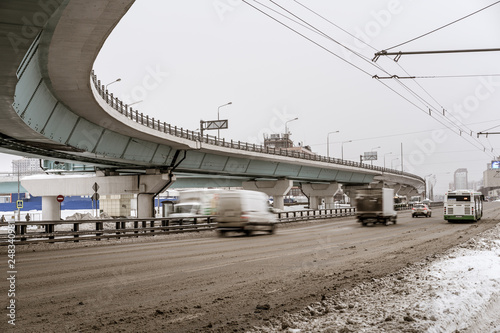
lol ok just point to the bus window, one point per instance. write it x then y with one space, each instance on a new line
459 198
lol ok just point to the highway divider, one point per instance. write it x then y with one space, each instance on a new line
83 230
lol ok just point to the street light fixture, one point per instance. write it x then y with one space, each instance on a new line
395 159
135 102
218 130
117 80
286 130
342 148
328 143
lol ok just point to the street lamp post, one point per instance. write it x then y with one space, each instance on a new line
117 80
342 148
395 159
385 156
328 143
286 130
135 102
218 130
425 186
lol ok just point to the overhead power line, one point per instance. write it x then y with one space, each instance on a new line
304 36
427 107
444 26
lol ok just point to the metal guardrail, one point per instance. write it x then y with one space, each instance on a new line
180 132
100 228
305 215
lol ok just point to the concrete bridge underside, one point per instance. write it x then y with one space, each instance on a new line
50 107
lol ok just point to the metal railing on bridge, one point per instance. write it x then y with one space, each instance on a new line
180 132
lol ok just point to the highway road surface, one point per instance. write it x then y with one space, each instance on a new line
204 283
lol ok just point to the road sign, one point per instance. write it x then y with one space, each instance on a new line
19 204
95 187
95 196
216 124
370 156
60 198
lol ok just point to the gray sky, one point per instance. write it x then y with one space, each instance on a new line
184 59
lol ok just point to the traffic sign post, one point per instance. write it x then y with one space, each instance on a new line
213 125
95 197
60 199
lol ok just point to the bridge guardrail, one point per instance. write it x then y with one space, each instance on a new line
180 132
118 228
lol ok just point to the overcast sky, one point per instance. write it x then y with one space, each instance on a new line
182 60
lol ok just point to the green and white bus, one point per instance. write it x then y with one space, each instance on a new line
463 205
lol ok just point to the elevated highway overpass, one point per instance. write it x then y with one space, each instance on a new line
53 106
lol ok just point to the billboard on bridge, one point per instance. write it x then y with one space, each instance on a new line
370 156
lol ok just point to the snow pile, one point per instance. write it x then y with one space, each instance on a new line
459 291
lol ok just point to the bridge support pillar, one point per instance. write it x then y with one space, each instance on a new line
275 188
405 190
316 192
350 191
51 209
145 205
149 186
145 186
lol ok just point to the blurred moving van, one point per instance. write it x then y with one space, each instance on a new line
195 203
244 211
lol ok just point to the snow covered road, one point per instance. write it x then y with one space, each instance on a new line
458 291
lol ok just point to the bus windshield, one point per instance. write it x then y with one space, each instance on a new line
455 197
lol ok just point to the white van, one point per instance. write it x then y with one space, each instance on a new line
195 203
244 211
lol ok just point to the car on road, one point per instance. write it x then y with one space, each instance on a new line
421 209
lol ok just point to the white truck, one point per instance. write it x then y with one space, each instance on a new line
375 205
195 203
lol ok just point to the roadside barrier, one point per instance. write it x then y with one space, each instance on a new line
83 230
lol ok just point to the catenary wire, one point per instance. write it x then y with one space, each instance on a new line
309 39
357 67
416 95
444 26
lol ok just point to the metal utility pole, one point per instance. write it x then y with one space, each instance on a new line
398 54
328 143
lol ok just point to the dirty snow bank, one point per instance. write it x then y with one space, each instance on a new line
455 292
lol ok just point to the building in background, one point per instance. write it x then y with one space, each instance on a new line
283 141
460 179
491 179
26 166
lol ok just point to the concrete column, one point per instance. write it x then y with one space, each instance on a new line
314 201
350 191
145 205
330 202
149 185
145 186
316 192
275 188
412 193
51 209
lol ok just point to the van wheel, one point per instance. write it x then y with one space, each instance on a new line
247 232
272 230
221 233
